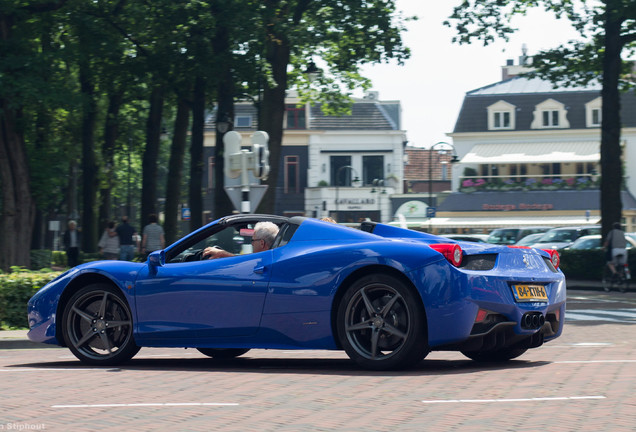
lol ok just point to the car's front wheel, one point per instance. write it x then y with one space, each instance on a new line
381 324
97 325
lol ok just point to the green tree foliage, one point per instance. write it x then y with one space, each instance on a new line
608 33
88 88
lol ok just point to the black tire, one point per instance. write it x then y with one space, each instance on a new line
495 356
97 326
223 353
381 324
623 284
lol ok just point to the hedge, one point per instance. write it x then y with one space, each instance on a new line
588 264
16 288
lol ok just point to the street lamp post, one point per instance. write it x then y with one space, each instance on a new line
338 186
431 213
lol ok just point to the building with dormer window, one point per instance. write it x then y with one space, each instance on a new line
530 155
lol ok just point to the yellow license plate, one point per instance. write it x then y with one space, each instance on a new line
529 293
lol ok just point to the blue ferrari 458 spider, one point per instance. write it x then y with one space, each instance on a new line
387 296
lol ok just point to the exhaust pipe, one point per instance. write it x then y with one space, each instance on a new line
532 320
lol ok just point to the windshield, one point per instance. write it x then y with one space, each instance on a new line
559 236
503 236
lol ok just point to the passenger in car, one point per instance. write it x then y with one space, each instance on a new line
262 240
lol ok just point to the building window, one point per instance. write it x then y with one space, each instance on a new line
372 168
551 118
338 177
483 170
593 113
502 120
501 115
550 114
296 117
243 121
292 174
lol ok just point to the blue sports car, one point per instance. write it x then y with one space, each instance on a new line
386 295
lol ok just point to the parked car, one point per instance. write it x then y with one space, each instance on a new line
594 242
387 296
530 239
510 236
559 238
476 238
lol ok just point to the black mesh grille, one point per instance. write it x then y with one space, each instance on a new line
549 264
479 262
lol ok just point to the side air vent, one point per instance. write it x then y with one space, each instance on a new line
481 262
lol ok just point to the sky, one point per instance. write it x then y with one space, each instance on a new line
431 85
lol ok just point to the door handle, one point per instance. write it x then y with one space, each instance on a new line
260 269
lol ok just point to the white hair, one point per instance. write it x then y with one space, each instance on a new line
266 231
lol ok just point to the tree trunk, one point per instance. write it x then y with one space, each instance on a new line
111 132
225 111
151 156
273 112
89 165
18 208
175 170
611 164
196 154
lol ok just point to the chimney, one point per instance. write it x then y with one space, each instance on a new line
510 70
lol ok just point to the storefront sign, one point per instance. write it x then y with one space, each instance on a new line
521 206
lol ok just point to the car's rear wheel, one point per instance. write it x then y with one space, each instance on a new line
97 325
381 324
223 353
495 355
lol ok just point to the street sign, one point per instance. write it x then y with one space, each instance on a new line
186 213
430 212
236 195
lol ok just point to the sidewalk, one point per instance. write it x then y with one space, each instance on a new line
17 339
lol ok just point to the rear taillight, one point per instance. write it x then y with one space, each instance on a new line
451 251
555 259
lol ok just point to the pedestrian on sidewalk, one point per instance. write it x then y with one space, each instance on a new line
109 242
127 240
153 236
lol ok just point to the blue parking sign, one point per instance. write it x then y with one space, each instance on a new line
185 213
430 212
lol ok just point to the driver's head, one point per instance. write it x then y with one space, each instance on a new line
264 235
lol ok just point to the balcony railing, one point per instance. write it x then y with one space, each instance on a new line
470 184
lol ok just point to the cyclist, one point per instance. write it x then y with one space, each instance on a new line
616 245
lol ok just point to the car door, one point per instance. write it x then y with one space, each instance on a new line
201 300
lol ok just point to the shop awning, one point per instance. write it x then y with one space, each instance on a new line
544 152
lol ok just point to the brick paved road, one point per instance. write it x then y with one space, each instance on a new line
583 381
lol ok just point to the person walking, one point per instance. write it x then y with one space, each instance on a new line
616 246
127 240
72 244
109 242
153 236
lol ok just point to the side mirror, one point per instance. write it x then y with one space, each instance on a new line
157 258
